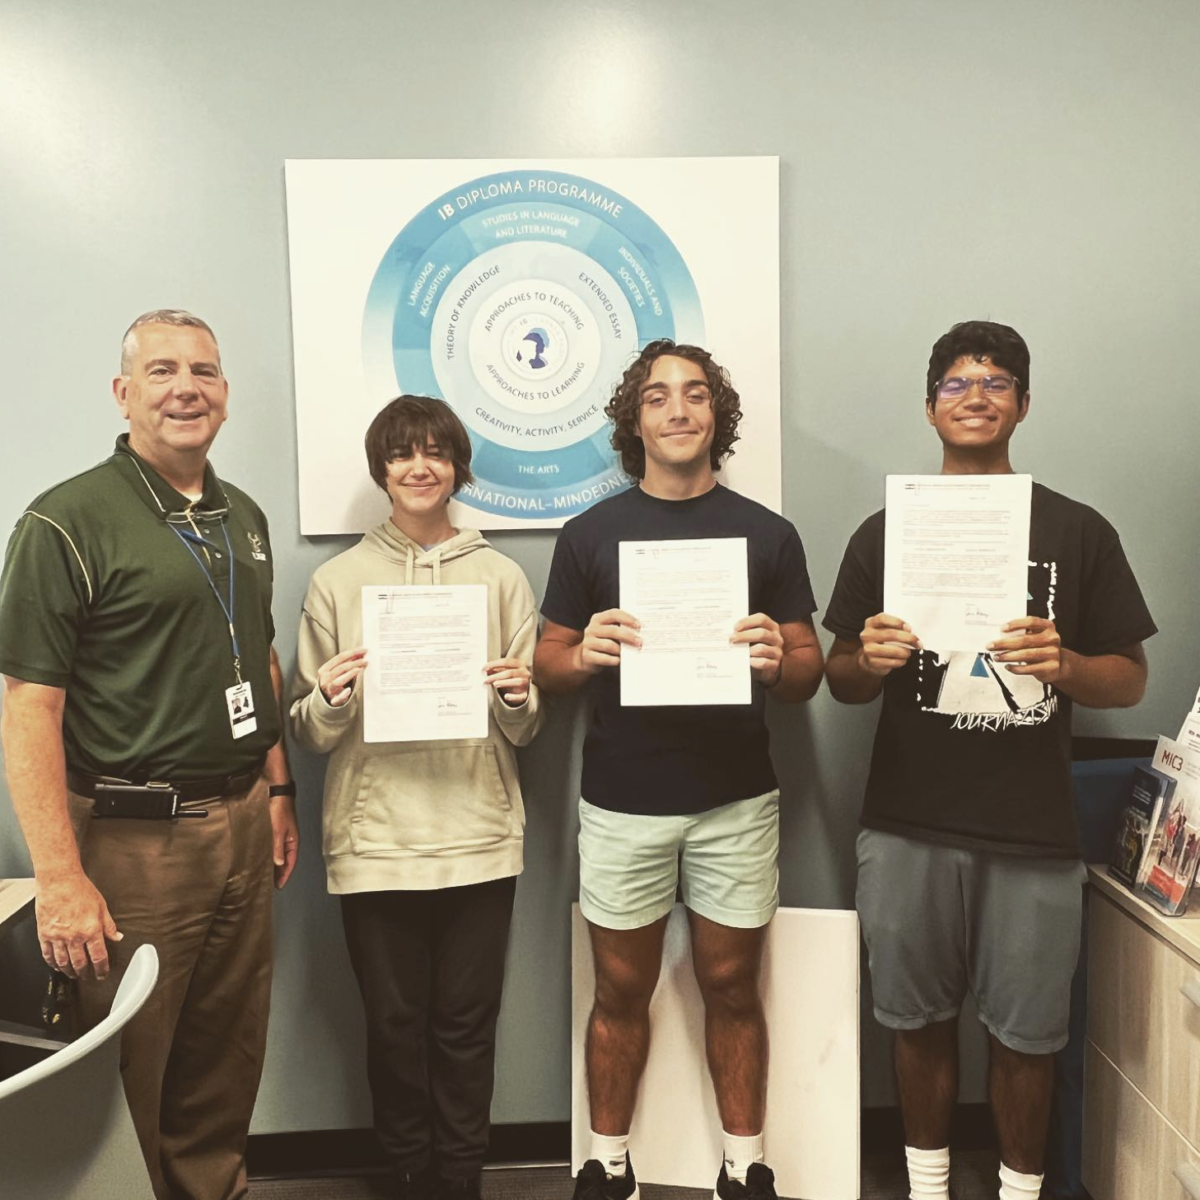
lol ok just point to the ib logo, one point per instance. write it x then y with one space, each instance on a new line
534 345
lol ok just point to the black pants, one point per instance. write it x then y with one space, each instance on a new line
430 967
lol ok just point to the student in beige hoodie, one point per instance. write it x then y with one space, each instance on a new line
422 840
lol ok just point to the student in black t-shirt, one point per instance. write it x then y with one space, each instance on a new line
969 872
670 783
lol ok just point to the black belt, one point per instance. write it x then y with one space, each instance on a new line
187 790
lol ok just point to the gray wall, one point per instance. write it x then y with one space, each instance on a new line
1029 162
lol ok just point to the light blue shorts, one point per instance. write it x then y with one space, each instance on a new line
725 861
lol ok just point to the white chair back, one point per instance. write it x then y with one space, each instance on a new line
65 1128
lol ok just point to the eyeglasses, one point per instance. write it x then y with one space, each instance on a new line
954 387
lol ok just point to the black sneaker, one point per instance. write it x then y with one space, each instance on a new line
759 1185
461 1188
416 1185
594 1183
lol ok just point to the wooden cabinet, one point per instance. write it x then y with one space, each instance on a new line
1141 1130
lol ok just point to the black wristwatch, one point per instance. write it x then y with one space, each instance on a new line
282 789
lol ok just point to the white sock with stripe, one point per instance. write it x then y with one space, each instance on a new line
740 1152
609 1151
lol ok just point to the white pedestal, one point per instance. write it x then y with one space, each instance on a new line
810 993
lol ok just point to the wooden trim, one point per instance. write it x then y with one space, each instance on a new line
883 1130
13 1034
16 901
355 1151
1084 749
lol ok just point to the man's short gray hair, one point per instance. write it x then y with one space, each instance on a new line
158 316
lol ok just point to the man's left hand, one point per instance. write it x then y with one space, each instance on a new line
1035 650
285 837
766 646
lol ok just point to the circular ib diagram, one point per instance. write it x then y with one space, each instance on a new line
520 298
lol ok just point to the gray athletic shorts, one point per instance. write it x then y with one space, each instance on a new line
940 921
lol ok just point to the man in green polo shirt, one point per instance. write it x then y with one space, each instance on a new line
141 691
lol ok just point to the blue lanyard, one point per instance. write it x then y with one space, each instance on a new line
187 539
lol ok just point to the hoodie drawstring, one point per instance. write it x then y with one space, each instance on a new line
410 560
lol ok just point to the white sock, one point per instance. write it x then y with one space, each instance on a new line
610 1152
928 1173
740 1152
1015 1186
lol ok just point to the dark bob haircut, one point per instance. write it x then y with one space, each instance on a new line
978 340
410 422
624 409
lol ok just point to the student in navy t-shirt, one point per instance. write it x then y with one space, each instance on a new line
681 795
969 873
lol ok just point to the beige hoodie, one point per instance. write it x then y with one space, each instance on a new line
408 815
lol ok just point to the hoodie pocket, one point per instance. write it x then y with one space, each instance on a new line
431 799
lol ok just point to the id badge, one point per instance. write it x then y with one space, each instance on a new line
240 702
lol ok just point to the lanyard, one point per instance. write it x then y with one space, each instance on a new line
227 609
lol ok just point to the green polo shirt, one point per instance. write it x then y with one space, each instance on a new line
99 596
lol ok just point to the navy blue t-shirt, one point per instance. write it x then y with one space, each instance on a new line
673 760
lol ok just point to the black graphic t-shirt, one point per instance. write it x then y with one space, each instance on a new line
680 759
966 752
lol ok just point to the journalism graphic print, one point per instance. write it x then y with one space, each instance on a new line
978 692
520 297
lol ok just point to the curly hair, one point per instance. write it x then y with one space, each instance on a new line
625 408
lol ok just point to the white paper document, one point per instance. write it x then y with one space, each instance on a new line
1189 731
426 650
956 556
1174 760
688 595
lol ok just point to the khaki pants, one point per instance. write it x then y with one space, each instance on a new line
199 890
